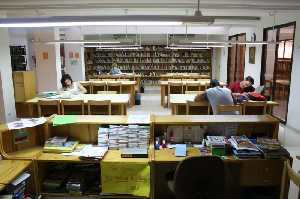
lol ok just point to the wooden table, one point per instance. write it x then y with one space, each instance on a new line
177 100
183 76
128 87
239 173
120 100
164 88
10 169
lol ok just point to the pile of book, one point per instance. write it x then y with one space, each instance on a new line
244 148
217 144
271 148
122 136
17 188
59 145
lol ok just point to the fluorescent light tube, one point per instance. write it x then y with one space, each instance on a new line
209 42
92 23
79 42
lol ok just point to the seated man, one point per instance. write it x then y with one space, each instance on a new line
216 95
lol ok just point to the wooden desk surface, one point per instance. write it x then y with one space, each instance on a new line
55 157
185 75
100 119
10 169
183 98
124 83
114 98
203 82
204 119
115 156
168 155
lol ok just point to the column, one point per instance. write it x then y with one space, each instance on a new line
7 98
74 55
48 62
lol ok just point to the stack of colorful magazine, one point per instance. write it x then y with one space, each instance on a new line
271 148
59 145
244 148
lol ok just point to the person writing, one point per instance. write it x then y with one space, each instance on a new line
216 96
70 86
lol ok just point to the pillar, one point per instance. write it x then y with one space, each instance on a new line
74 55
48 62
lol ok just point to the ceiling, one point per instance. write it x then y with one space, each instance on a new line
18 8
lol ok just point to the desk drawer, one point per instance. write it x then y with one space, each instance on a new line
261 172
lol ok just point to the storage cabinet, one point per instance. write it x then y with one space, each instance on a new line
24 85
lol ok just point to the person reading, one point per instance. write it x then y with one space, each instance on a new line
70 86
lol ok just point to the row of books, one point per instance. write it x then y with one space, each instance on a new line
243 147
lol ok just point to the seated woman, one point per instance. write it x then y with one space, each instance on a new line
70 86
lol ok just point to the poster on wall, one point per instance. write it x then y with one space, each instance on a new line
252 55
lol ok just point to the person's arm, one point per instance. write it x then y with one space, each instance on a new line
200 97
82 89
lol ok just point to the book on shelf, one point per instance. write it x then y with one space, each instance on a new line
271 148
243 147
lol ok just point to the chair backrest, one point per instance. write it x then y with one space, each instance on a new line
255 107
193 92
78 104
177 87
124 79
174 80
204 104
230 109
291 174
108 80
95 107
188 80
107 92
192 85
87 85
92 80
114 86
98 85
200 177
48 107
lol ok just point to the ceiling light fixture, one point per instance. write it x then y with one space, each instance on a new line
78 42
186 48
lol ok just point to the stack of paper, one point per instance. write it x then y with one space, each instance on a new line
103 137
131 136
59 145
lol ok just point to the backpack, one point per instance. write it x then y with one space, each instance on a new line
256 96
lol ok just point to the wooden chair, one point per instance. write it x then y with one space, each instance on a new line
87 86
174 80
193 86
190 183
203 108
98 86
124 79
188 80
292 175
254 107
72 107
96 107
174 88
93 80
48 107
108 80
107 92
230 109
114 86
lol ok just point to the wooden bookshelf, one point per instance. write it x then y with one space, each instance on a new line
151 61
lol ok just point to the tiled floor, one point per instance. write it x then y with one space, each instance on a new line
150 103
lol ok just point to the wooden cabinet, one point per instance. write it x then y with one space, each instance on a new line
24 85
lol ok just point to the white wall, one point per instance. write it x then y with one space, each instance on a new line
7 98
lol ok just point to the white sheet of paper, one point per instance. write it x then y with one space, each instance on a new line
20 178
139 119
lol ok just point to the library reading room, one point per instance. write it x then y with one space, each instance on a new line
167 99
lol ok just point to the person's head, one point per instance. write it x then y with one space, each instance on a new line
249 89
250 79
114 64
214 83
244 84
66 81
